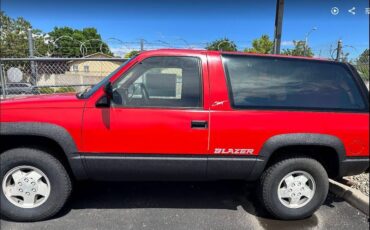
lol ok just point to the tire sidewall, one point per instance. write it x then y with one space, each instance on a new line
322 186
57 184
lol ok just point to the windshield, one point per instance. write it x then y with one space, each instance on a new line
91 90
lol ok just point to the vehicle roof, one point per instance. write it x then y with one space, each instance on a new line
199 51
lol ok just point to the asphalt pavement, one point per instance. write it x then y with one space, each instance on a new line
183 205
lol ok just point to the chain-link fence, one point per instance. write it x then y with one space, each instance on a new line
53 75
60 75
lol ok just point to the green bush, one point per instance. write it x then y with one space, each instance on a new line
46 90
65 90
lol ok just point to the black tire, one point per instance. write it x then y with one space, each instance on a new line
60 183
270 181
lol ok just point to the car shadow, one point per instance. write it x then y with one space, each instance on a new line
181 195
227 195
127 195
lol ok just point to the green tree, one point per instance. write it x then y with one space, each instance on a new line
300 49
14 38
68 42
132 53
261 45
362 64
222 44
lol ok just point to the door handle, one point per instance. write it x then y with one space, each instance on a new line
199 124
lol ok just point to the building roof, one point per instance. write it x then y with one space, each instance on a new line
95 57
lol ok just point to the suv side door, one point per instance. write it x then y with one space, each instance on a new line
157 115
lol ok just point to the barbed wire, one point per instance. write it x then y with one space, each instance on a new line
119 47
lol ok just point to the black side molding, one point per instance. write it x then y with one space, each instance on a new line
164 167
353 166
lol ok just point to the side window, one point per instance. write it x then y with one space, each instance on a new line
268 82
160 82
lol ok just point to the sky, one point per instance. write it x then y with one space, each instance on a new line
192 23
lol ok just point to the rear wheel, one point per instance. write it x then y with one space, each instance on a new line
294 188
34 185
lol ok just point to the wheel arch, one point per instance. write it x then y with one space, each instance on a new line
43 136
321 147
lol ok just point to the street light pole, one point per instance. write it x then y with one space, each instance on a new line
141 45
306 40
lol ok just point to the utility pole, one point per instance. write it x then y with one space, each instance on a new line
30 48
339 50
141 44
278 25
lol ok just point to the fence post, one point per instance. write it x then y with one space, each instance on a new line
3 90
30 48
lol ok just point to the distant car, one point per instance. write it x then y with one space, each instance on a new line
19 88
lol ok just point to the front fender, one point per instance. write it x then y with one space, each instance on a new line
54 132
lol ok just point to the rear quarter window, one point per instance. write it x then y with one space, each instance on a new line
284 83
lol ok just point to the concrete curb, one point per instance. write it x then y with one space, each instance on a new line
352 196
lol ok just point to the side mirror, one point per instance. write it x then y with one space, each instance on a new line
105 101
108 90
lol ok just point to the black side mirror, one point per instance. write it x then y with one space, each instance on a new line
105 101
108 90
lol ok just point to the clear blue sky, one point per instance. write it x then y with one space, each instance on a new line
201 21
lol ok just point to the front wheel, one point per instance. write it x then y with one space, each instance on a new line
294 188
34 185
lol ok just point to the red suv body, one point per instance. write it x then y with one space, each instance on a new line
200 115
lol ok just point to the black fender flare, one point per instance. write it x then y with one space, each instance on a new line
54 132
296 139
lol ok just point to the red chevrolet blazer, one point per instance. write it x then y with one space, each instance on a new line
288 123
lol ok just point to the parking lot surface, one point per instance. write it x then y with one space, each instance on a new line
185 205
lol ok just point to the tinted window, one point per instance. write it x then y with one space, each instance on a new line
160 82
286 83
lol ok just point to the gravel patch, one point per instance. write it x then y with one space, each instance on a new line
359 182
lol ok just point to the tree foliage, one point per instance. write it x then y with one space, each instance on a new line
362 64
364 57
14 38
61 42
132 53
300 49
222 44
261 45
68 42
